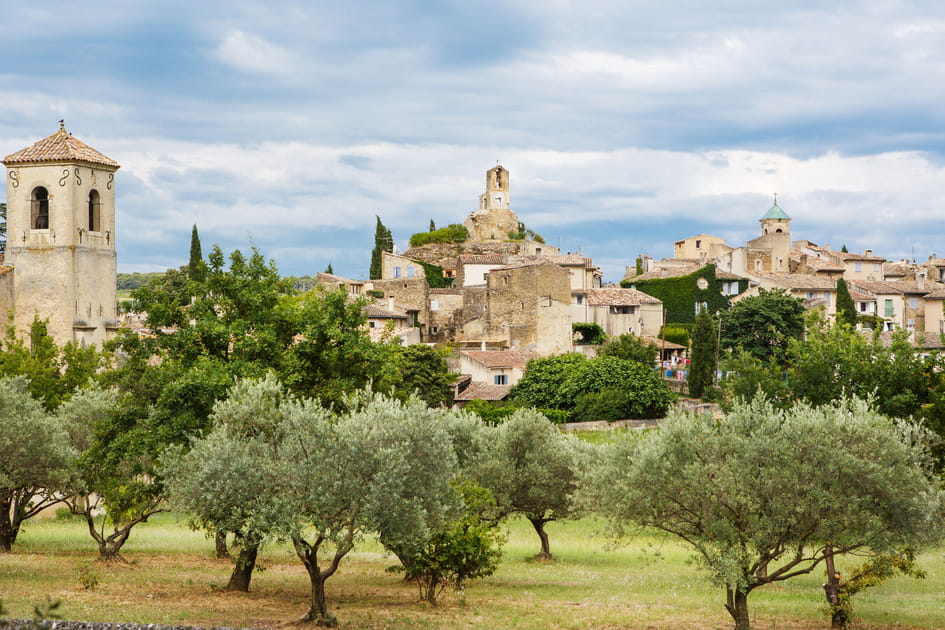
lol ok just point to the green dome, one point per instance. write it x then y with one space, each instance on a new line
775 213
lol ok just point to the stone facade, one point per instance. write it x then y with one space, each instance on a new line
523 308
494 220
61 238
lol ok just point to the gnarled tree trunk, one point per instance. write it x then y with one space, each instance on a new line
839 615
245 563
737 606
219 542
308 554
539 525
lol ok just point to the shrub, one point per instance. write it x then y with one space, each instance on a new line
453 233
588 334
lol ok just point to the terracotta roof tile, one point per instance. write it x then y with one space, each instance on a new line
800 281
482 259
59 147
497 358
619 297
379 312
483 391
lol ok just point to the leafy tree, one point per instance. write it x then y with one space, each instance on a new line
423 372
543 377
465 548
873 572
763 324
35 458
705 353
383 242
761 495
332 353
53 372
227 479
629 347
384 467
531 468
846 308
630 389
116 471
196 267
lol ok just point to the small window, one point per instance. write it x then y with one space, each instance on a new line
910 323
876 267
39 209
95 212
858 266
888 308
702 283
434 305
501 379
434 329
396 272
698 244
410 272
579 299
913 303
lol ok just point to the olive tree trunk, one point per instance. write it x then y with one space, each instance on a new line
539 525
737 606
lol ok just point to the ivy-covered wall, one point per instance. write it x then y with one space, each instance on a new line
680 294
434 276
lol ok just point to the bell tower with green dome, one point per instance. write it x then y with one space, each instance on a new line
775 239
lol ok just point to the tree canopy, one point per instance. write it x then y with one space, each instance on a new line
764 494
763 324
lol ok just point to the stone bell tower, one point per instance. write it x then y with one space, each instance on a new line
494 220
61 238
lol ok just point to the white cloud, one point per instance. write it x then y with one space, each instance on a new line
251 53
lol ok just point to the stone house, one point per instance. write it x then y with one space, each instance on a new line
701 247
395 266
493 367
389 322
524 307
60 261
618 311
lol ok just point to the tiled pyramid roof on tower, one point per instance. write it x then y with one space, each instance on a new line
59 147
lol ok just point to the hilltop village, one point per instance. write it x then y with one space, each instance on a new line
500 293
512 297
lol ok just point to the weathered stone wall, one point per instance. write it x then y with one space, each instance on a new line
445 320
64 273
528 306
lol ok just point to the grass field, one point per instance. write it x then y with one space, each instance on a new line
172 578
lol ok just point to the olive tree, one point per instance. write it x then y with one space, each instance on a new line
531 468
230 478
764 495
35 458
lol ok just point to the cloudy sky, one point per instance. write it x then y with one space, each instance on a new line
626 125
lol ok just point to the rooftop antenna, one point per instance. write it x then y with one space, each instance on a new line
775 198
62 124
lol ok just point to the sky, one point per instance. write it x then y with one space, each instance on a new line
626 125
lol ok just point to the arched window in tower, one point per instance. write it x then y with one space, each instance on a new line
39 209
95 212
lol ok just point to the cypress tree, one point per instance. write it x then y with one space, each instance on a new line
846 309
195 266
432 226
330 270
704 353
383 242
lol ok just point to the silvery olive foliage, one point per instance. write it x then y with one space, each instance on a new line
762 494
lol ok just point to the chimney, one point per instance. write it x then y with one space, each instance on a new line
869 252
920 279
